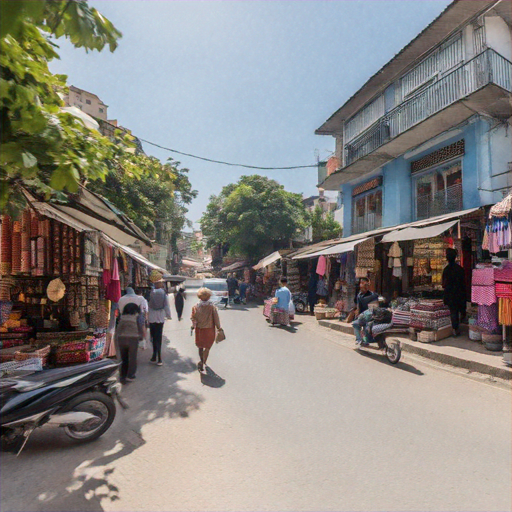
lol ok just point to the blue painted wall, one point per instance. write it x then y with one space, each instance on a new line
397 182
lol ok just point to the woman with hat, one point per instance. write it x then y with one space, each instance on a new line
205 321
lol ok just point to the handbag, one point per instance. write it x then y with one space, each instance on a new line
220 336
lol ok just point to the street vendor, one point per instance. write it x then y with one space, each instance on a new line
280 313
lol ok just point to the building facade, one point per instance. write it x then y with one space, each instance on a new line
86 101
430 133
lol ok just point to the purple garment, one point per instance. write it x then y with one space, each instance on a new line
488 318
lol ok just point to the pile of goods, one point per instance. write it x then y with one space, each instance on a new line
432 319
15 335
491 289
75 347
401 308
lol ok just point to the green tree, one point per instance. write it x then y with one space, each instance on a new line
156 201
254 216
324 226
40 145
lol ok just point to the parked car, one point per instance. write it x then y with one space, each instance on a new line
219 289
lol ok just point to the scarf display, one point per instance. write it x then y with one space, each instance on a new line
498 232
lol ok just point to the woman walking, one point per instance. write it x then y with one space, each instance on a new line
159 311
179 301
205 322
127 336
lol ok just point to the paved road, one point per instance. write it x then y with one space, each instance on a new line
283 421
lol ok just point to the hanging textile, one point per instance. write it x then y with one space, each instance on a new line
505 311
498 232
113 292
488 318
321 266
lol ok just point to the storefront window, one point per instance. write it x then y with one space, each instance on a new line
367 212
439 191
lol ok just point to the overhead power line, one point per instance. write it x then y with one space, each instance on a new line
229 163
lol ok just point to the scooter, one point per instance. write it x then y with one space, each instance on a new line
392 350
79 399
300 301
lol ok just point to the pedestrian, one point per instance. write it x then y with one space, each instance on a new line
159 311
454 284
127 336
130 297
232 287
243 292
363 298
280 312
179 302
205 323
144 309
322 292
312 285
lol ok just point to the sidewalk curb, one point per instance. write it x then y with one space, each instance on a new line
422 351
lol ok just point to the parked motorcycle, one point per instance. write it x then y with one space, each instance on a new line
80 399
300 301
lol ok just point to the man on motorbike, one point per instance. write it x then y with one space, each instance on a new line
363 298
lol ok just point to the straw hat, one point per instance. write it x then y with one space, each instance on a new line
56 290
155 276
204 293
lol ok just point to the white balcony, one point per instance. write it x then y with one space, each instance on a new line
481 85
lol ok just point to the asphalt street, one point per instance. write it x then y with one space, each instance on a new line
282 420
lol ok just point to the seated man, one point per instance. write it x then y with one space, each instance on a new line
363 298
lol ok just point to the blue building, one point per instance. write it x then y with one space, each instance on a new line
430 133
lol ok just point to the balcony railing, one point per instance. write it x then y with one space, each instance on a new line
486 68
442 202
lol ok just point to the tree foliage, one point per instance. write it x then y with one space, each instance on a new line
254 216
39 144
156 201
324 226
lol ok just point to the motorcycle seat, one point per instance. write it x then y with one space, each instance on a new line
48 377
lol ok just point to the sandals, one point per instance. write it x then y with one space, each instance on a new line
200 366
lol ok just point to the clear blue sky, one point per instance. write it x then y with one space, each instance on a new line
241 81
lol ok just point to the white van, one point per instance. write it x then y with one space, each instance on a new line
219 289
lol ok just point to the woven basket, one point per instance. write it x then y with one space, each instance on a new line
475 335
7 354
426 336
491 338
29 353
320 315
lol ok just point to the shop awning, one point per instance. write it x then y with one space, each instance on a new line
133 254
190 263
235 266
412 233
49 211
338 248
267 260
90 212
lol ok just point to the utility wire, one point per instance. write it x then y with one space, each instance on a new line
229 163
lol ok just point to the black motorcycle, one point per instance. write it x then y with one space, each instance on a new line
80 399
300 301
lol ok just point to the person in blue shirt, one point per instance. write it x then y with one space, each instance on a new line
283 296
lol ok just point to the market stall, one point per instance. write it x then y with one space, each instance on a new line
60 281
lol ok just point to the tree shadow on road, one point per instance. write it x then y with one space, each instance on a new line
211 379
377 356
66 476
